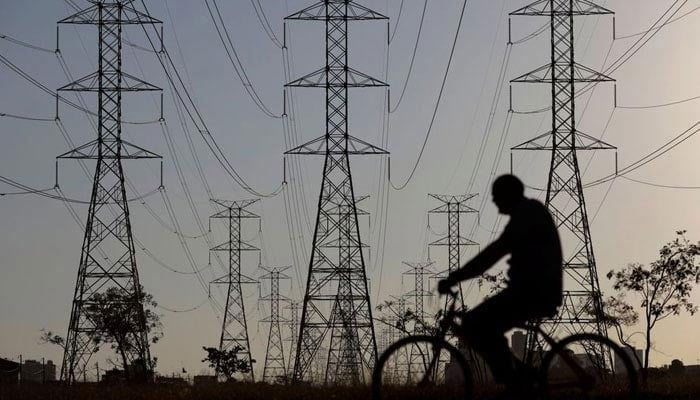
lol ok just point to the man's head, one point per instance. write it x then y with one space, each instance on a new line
507 192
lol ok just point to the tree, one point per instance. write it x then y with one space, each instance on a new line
120 323
226 362
664 286
49 337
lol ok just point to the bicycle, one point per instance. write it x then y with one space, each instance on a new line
430 367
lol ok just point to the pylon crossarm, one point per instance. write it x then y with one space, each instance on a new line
583 142
127 83
544 8
581 74
319 79
461 209
457 241
355 146
228 246
317 12
90 151
447 198
128 15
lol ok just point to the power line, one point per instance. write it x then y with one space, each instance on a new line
265 23
186 310
396 25
413 59
26 117
649 106
198 120
660 185
663 149
437 104
237 64
26 44
4 60
667 23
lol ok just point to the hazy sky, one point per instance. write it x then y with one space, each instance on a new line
40 242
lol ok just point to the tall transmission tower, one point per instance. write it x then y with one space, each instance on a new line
275 370
454 206
565 197
293 325
234 329
419 270
336 302
107 258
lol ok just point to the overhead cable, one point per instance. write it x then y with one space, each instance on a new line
265 23
437 103
232 54
413 59
198 120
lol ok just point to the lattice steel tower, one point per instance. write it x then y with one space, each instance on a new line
275 370
454 206
234 329
419 271
336 302
293 325
107 259
565 199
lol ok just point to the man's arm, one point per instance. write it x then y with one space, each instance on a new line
481 262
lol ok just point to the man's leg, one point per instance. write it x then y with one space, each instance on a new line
484 329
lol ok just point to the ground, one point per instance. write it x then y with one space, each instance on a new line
676 389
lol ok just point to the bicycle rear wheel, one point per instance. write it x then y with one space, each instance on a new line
588 366
421 367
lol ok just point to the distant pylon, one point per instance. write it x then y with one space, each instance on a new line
234 329
293 325
565 197
275 369
454 206
336 302
398 331
419 271
107 259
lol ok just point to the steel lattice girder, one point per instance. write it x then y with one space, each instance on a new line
337 298
107 261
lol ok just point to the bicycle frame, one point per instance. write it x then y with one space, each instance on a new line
448 322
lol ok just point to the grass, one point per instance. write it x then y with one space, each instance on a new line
667 389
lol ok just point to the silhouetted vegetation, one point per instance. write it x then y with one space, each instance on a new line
663 287
226 362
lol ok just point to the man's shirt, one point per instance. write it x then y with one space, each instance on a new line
533 242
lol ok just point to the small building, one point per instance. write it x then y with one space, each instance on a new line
635 355
171 380
38 371
9 371
692 371
204 380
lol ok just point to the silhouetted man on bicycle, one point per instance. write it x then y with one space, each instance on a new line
534 287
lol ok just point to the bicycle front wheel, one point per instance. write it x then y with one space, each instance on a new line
588 366
421 367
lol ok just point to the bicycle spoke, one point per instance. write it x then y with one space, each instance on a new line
420 368
588 366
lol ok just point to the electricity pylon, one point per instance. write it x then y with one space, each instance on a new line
565 197
336 302
107 259
293 324
454 206
419 270
275 370
234 329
